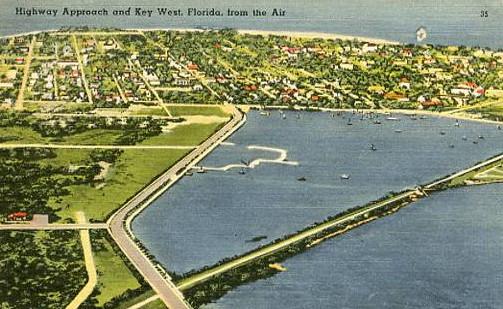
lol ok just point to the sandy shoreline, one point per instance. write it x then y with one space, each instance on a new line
294 34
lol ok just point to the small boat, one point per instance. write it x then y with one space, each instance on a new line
349 122
284 116
345 176
301 178
451 146
377 122
413 117
298 116
398 131
442 132
457 123
499 127
188 174
201 170
264 113
464 138
481 137
422 117
392 118
373 147
475 142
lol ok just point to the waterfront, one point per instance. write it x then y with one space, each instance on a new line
209 216
441 252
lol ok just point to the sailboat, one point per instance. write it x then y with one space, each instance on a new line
345 176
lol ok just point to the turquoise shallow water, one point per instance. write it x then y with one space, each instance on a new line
441 252
448 22
207 217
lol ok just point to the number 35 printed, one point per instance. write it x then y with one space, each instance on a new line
484 13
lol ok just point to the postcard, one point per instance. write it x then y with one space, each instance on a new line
251 154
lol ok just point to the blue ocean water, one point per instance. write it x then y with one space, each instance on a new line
448 22
444 251
207 217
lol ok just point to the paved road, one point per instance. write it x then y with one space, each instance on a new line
63 146
201 277
53 226
26 75
164 287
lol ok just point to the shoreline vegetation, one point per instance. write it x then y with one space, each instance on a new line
295 34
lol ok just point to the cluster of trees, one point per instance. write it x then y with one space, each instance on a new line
43 269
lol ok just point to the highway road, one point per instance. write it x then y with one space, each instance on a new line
161 283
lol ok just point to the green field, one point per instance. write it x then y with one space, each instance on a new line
184 135
22 135
134 169
187 110
114 277
153 111
94 137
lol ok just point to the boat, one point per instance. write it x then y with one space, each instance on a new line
392 118
457 123
345 176
298 116
451 146
201 170
398 131
242 171
413 117
442 132
188 174
283 116
499 127
373 147
377 122
302 178
264 113
475 142
464 138
481 137
422 117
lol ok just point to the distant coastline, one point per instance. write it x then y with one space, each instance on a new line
295 34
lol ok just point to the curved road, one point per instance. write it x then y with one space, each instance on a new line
161 283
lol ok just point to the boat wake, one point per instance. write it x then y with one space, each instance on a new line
281 159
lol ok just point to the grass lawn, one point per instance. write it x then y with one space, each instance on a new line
187 110
153 111
67 157
156 304
184 135
136 300
134 169
114 277
93 137
23 135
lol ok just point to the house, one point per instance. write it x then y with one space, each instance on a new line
19 60
347 66
368 48
404 83
18 216
192 67
431 103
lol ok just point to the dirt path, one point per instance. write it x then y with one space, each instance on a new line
90 267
